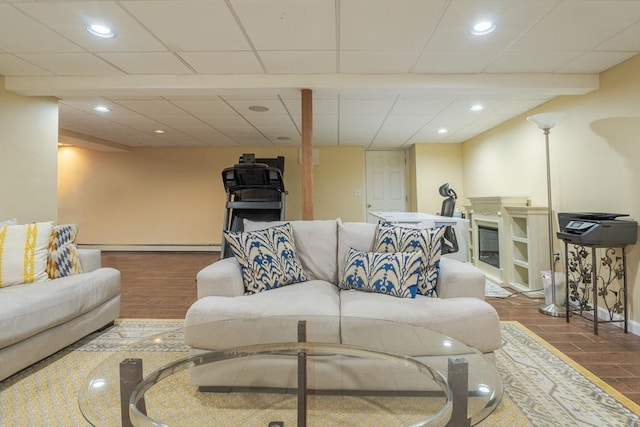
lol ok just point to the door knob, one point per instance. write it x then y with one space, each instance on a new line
368 206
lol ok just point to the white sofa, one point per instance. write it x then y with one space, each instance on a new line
38 319
459 311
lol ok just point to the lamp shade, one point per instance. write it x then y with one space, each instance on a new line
545 120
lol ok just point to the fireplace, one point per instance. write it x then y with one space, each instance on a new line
489 245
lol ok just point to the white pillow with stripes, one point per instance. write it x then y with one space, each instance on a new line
23 253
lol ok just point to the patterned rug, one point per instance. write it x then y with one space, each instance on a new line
493 290
542 386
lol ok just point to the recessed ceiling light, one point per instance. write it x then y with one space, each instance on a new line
159 131
442 130
100 31
483 28
258 108
101 109
476 107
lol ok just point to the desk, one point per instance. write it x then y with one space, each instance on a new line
460 225
416 217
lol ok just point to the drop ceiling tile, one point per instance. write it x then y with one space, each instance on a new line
377 62
272 121
299 62
626 40
511 19
146 62
369 107
359 129
20 33
275 106
71 64
469 62
595 62
180 121
11 65
211 27
531 62
401 127
233 126
288 24
325 129
420 106
70 19
580 24
387 24
199 107
222 62
152 107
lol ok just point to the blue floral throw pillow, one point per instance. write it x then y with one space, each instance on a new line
267 258
395 274
426 241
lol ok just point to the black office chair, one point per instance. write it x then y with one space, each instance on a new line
449 240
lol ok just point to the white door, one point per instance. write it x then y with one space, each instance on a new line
385 173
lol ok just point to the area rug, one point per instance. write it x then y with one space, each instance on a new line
542 386
493 290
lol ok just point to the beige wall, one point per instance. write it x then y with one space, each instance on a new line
28 146
595 157
432 166
175 196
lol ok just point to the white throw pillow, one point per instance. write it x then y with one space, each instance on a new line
23 253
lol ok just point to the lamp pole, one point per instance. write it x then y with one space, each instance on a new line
546 121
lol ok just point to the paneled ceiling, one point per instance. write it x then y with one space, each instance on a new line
384 73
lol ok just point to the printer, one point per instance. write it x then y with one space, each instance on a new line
597 229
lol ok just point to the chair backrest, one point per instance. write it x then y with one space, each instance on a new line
449 203
449 241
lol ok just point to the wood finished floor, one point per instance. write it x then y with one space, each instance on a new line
161 285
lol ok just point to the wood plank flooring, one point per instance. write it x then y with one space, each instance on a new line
162 285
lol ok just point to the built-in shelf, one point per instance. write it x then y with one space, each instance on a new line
529 247
522 237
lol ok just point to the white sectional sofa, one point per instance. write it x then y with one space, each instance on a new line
459 311
38 319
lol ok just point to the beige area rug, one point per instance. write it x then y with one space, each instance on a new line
542 386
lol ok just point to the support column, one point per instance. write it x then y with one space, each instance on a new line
307 154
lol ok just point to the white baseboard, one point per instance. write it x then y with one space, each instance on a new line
154 248
633 327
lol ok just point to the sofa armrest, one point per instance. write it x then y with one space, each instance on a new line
460 279
90 259
222 278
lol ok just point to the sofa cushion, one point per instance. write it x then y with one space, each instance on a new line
356 235
316 301
63 258
267 258
391 273
30 309
23 253
316 242
405 239
470 320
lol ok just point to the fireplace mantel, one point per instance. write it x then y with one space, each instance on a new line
521 238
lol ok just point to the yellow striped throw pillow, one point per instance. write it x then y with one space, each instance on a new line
23 253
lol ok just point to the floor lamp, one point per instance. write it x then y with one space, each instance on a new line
546 121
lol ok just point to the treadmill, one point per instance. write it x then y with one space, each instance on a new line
255 191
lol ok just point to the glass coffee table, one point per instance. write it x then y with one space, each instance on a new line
293 371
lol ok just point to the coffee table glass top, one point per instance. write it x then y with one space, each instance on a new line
382 372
